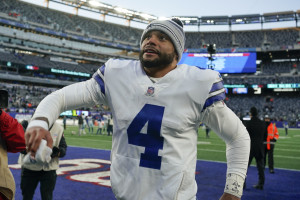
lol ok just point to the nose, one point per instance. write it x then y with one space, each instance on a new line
151 40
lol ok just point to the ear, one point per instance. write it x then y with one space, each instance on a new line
177 57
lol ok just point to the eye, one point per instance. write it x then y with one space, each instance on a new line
163 37
148 36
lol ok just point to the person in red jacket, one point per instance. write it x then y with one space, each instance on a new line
271 137
12 140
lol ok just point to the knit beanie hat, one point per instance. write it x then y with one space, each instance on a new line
173 28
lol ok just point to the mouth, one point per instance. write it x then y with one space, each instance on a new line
150 51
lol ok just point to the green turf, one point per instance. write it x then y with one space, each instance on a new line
286 153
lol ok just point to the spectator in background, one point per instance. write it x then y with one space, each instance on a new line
65 122
207 130
100 126
12 140
90 124
105 118
110 125
80 124
86 121
256 130
43 173
286 127
272 135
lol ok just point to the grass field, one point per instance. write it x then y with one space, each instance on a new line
286 153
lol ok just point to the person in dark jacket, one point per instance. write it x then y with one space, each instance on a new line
80 124
256 130
44 174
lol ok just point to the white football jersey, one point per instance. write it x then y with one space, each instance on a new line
154 148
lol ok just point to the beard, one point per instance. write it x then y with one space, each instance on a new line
162 61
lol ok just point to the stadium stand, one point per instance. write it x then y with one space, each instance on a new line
47 39
244 39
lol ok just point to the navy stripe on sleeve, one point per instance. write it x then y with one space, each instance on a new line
211 100
100 82
216 86
102 69
98 77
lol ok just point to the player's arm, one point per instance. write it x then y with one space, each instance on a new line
83 94
230 128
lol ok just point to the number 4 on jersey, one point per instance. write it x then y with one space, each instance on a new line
152 141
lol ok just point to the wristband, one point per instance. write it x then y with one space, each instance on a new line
40 123
234 185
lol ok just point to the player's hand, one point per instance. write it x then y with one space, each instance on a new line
227 196
33 137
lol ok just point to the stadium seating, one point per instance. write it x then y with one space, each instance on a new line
85 55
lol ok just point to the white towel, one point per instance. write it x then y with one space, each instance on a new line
42 156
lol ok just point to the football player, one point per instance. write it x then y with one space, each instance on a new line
157 107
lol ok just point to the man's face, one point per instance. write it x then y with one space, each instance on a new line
157 50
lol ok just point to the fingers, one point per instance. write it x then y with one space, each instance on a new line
36 141
49 140
30 140
33 137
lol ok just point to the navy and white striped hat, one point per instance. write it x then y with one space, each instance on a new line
173 28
